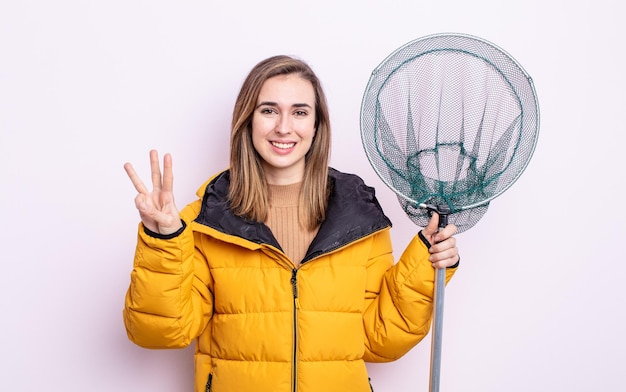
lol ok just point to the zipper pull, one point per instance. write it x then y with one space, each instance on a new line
208 383
294 285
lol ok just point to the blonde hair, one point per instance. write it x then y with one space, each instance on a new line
248 192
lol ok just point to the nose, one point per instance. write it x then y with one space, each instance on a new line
283 125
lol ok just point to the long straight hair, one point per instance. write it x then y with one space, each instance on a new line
248 192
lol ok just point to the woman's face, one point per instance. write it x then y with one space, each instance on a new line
283 127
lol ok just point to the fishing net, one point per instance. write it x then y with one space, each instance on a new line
449 120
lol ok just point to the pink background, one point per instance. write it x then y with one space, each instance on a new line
538 304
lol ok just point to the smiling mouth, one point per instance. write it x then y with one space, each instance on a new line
284 146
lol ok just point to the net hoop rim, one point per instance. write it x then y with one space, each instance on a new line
467 37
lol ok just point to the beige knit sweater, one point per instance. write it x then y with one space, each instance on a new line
283 221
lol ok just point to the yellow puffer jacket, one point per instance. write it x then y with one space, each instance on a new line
263 325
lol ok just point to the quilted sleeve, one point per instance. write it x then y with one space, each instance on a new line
399 299
168 302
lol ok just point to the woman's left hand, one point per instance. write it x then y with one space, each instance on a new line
443 250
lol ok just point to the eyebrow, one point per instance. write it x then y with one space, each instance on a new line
295 105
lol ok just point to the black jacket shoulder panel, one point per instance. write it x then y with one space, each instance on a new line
216 213
353 213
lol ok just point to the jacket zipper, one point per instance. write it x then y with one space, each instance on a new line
296 306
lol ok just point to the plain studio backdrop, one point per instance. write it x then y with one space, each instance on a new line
538 303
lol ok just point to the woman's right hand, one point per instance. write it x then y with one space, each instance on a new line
156 208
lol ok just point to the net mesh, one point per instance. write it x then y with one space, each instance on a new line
449 119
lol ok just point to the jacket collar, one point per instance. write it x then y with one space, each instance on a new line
353 213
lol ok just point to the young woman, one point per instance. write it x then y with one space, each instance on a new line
282 271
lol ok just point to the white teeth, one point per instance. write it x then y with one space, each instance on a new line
283 145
